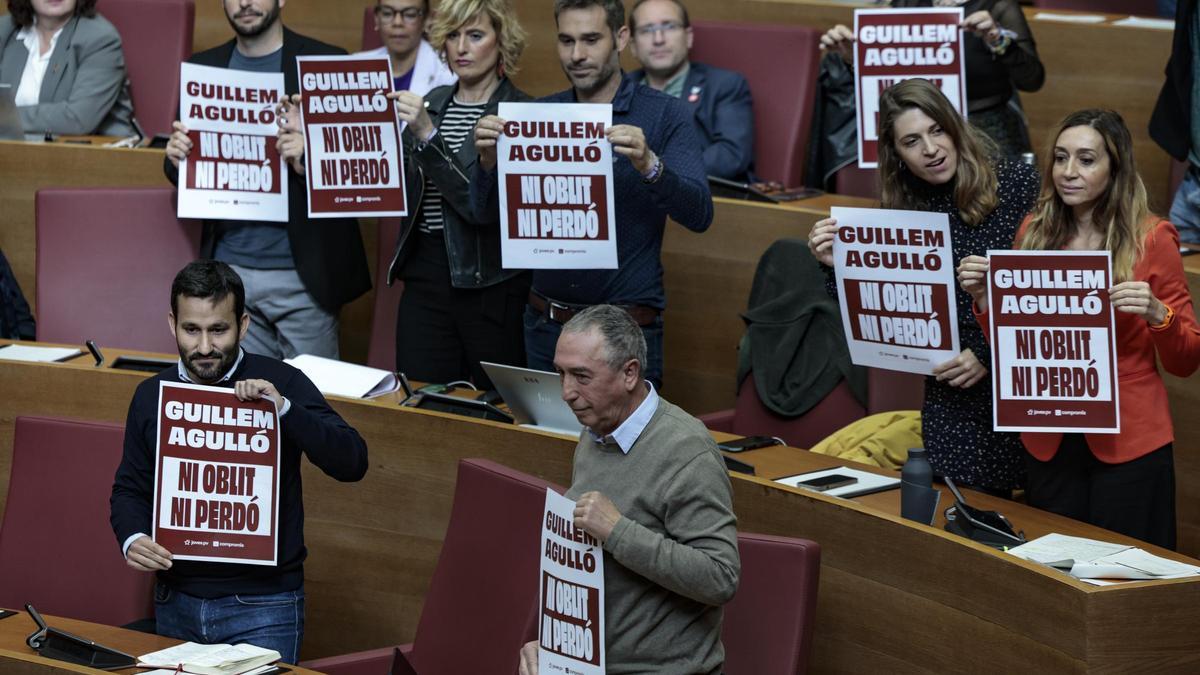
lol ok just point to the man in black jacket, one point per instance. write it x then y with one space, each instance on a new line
211 602
297 274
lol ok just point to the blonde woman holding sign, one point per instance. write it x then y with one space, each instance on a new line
1093 200
931 160
460 306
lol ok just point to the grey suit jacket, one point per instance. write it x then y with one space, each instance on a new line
85 90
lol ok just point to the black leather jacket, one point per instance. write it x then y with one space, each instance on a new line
472 246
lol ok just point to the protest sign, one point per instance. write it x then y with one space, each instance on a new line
895 278
892 45
571 593
353 156
556 187
1054 365
216 478
234 171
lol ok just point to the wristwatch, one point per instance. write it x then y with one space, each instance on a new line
656 172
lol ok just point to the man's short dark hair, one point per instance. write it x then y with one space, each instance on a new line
211 280
22 11
678 3
614 11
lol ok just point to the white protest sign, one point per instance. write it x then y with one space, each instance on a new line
571 594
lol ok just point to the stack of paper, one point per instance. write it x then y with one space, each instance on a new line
1099 562
864 482
191 657
37 354
339 378
1069 18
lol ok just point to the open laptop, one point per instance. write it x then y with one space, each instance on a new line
534 397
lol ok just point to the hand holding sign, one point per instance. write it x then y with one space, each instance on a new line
179 144
837 40
962 371
410 108
982 24
252 390
487 133
146 556
1134 297
596 515
529 659
820 240
629 141
973 278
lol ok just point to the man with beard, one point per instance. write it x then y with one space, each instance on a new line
659 172
298 274
211 602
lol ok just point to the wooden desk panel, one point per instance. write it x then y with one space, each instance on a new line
895 596
16 658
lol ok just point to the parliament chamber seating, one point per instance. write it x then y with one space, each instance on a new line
853 181
57 549
156 35
381 351
768 626
782 73
105 261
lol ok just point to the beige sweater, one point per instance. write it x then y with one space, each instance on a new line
672 559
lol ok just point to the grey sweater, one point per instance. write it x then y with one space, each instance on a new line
672 559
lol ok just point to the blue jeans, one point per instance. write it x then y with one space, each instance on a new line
1185 210
273 621
541 337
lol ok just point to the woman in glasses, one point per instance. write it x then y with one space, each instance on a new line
415 63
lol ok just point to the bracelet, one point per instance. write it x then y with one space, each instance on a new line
1006 40
421 145
1165 322
656 172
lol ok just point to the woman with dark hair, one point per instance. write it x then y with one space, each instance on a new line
1000 57
65 69
1093 200
460 305
931 160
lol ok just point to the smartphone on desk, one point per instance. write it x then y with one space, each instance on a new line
748 443
827 482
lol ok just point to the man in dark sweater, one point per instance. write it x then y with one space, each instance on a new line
658 171
212 602
650 484
297 274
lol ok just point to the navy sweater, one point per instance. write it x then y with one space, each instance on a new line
310 427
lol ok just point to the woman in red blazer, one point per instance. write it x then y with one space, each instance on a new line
1093 200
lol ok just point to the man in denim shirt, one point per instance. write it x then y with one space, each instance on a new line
658 173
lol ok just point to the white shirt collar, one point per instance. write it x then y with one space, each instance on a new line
185 377
627 433
29 36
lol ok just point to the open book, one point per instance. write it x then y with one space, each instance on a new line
191 657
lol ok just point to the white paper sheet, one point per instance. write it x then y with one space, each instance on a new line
339 378
37 354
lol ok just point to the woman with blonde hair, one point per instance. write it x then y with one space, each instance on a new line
1093 200
931 160
460 306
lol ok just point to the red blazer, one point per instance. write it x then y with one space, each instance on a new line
1145 415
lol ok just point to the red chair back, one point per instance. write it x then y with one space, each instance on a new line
782 72
105 261
56 546
752 418
381 352
370 35
768 625
853 181
1135 7
496 518
156 36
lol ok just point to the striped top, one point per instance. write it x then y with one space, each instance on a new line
457 124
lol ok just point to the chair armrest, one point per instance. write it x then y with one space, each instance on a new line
722 420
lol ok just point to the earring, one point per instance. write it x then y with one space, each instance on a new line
901 163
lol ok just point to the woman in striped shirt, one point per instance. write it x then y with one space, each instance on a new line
460 306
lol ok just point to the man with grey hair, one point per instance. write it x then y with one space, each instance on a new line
650 485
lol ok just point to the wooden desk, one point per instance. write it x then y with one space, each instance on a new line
895 596
16 658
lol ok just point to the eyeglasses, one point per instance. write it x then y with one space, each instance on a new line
407 15
652 28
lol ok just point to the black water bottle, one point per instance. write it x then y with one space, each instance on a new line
915 479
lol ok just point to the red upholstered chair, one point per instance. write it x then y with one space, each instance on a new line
105 261
853 181
499 597
57 549
155 36
768 625
381 351
782 72
370 35
1135 7
886 390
